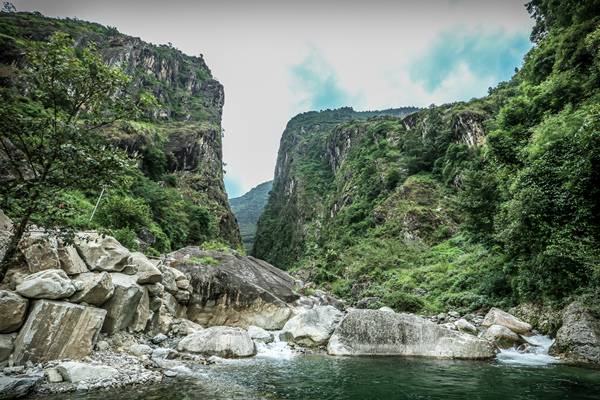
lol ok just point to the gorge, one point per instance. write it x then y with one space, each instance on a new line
440 252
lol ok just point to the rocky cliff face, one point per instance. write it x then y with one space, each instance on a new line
179 140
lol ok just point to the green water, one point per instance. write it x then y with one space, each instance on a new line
323 377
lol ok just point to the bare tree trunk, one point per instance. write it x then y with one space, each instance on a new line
11 249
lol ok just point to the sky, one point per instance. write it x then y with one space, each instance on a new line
277 58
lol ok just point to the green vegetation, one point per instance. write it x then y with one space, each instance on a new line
174 196
247 210
495 201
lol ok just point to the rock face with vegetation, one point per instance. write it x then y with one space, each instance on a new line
175 196
468 205
247 210
578 340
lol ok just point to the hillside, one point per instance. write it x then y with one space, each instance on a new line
247 210
494 201
176 196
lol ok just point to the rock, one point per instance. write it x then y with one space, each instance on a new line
122 306
239 291
57 329
53 375
441 316
6 347
142 313
40 250
454 314
367 302
259 334
102 345
543 317
314 327
140 350
502 336
372 332
163 353
498 317
97 288
183 284
222 341
465 326
159 338
161 321
16 387
170 278
578 339
183 296
49 284
75 372
70 261
184 327
146 271
6 227
102 253
12 309
386 309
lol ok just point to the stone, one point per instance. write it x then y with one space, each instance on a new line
259 334
142 313
238 291
70 261
53 375
40 250
454 314
7 344
498 317
12 309
146 271
222 341
578 339
183 284
170 302
159 338
96 288
15 387
56 330
140 350
122 306
161 321
102 345
48 284
387 309
170 276
102 253
184 327
183 296
313 327
502 336
75 372
372 332
6 227
465 326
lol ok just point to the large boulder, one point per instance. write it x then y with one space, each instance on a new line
49 284
95 288
102 253
498 317
578 339
373 332
146 271
259 334
502 336
313 327
12 309
142 313
237 291
56 329
222 341
122 306
70 261
40 250
75 372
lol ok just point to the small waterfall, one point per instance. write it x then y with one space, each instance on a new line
536 353
276 349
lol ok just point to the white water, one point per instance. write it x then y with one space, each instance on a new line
276 349
537 354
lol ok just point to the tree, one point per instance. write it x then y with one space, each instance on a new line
51 131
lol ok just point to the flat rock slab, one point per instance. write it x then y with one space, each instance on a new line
374 332
56 330
75 372
222 341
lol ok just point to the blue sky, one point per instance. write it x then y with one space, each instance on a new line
277 58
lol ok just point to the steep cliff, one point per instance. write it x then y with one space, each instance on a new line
177 141
247 210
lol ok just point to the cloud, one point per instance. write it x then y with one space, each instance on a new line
315 84
485 55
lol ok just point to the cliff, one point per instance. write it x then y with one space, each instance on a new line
247 210
178 140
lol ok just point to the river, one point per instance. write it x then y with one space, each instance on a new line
278 373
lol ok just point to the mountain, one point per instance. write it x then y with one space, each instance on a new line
494 201
247 210
177 194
